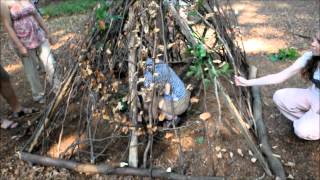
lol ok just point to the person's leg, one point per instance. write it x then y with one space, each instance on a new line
174 108
7 91
47 60
308 126
293 103
30 68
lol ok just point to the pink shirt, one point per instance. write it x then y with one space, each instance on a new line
25 25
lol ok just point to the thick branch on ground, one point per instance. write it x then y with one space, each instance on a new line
274 163
108 170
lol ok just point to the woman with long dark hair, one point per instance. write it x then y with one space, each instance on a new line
299 105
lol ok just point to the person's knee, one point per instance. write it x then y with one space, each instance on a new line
305 131
278 95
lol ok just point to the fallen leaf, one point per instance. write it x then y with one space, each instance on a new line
231 154
250 153
123 164
219 155
205 116
290 176
162 117
290 164
239 151
194 100
168 135
253 159
217 148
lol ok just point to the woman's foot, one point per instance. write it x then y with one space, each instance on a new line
5 124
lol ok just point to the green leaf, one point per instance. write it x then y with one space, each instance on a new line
200 140
189 73
274 57
206 83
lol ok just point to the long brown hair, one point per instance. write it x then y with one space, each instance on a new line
311 66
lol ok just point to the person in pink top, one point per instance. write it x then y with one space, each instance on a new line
31 39
299 105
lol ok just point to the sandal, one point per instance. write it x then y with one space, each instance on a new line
5 124
24 112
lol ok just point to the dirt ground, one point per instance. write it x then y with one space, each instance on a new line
266 26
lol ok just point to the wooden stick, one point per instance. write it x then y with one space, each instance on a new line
133 149
185 29
53 107
274 162
245 132
108 170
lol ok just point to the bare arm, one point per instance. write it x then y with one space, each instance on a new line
41 23
273 78
7 23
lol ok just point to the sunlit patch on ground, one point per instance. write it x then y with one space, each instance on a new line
62 40
258 45
13 67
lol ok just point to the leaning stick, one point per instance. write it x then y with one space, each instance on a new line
274 163
133 149
244 130
53 107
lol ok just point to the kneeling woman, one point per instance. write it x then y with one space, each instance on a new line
299 105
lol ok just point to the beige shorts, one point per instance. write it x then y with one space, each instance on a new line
175 107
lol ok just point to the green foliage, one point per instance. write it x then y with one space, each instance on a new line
200 140
284 54
204 65
102 15
68 7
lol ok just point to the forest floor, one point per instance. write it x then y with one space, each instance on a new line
266 27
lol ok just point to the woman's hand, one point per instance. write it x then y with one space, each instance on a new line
23 51
240 81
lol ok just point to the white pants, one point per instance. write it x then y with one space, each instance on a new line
43 52
302 107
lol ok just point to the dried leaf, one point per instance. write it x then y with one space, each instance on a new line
194 100
205 116
168 135
156 30
170 45
217 148
290 176
231 154
162 117
239 151
219 155
253 159
290 164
